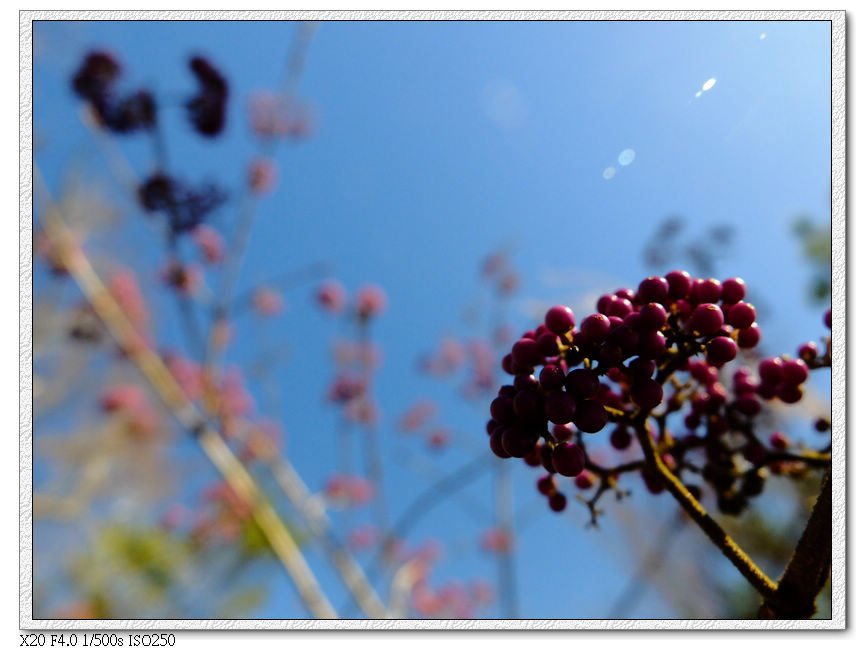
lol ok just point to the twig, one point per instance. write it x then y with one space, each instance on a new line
810 566
740 559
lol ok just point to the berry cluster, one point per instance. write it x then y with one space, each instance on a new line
95 81
207 107
185 207
673 332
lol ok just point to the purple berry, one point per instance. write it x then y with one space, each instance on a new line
747 405
789 392
595 327
502 409
584 480
653 316
742 314
652 345
557 502
603 303
653 289
590 417
582 383
706 291
527 403
552 377
779 441
560 408
721 350
808 351
706 320
827 318
546 485
525 382
642 368
733 290
563 432
518 443
548 344
679 283
569 459
620 438
749 337
496 444
795 371
647 394
525 352
771 371
559 319
620 307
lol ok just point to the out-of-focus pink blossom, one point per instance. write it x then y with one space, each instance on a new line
363 537
267 302
503 334
271 116
132 403
262 175
508 283
331 296
187 373
345 388
438 438
481 592
348 490
210 243
361 411
174 517
371 301
496 540
122 397
348 353
124 288
224 497
234 400
263 439
185 278
494 264
417 416
223 332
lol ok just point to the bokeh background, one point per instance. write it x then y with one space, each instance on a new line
478 172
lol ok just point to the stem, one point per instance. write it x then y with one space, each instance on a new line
316 518
810 566
718 536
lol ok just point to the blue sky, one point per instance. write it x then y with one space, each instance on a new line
436 143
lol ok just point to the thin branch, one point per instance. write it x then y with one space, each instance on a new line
810 566
718 536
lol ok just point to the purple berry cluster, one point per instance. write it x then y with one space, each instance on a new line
96 82
184 207
207 108
644 355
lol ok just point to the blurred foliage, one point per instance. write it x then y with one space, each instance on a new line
669 245
816 244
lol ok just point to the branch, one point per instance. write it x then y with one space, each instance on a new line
719 537
810 566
